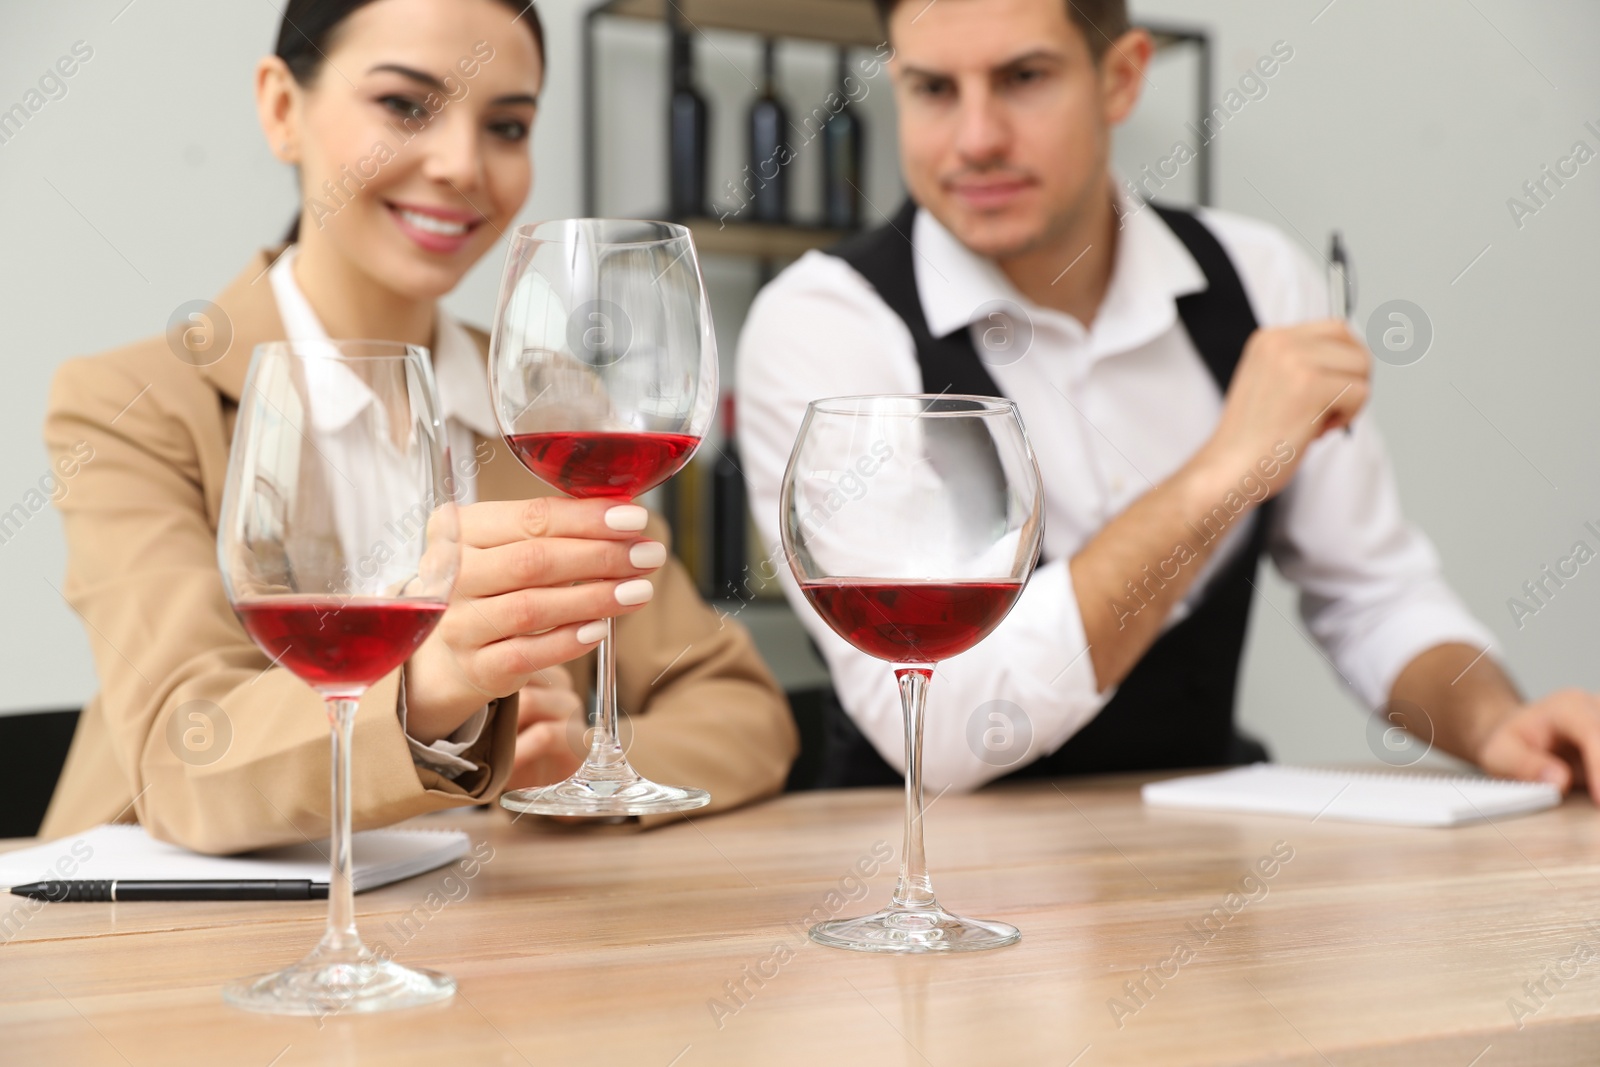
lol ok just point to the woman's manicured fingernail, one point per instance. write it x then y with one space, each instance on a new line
590 632
638 591
647 555
627 517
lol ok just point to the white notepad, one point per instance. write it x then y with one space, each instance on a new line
126 852
1394 799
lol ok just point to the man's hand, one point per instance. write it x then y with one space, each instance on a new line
1555 740
1292 385
547 708
1474 712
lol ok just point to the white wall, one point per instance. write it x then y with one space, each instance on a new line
1408 125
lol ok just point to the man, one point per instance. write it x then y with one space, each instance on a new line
1192 408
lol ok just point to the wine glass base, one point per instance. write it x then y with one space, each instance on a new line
909 930
322 987
602 797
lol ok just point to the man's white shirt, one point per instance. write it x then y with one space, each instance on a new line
1111 412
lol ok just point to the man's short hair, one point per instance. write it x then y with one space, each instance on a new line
1102 21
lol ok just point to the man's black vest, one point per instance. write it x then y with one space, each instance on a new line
1175 708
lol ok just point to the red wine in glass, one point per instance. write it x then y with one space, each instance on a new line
911 525
338 643
601 464
604 384
911 622
335 607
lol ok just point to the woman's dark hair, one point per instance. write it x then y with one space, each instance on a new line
307 32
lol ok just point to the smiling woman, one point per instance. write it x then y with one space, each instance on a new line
413 120
408 123
347 96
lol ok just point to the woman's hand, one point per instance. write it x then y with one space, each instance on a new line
549 722
536 578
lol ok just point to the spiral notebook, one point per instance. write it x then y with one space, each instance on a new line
126 852
1390 798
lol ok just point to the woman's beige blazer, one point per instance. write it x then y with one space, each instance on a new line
141 514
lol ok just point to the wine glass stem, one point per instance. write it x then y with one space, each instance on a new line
915 888
341 934
606 748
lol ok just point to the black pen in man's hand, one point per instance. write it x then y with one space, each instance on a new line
1341 286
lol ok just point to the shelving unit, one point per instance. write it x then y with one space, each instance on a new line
759 239
843 22
851 23
838 23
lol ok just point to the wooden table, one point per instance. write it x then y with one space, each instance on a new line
685 946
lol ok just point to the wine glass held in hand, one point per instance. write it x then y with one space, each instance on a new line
339 546
912 524
603 366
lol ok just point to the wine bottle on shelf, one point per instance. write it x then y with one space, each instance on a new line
687 132
769 146
841 159
729 515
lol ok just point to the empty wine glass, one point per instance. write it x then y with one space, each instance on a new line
912 524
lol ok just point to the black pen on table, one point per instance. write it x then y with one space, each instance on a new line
1341 286
123 889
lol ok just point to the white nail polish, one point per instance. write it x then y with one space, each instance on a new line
647 555
591 632
638 591
627 517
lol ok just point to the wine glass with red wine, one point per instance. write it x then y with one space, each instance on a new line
603 366
912 524
339 544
